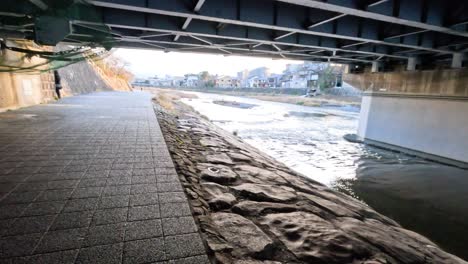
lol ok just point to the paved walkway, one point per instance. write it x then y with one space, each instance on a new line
90 180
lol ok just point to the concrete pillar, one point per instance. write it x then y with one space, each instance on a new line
457 60
412 63
376 66
401 122
348 68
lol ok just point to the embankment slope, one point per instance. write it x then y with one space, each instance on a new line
252 209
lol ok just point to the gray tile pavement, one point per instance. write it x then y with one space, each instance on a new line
90 180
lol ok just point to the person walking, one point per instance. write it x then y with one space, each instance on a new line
58 85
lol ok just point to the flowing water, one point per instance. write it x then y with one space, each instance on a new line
424 196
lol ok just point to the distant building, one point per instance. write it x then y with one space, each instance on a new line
262 72
140 81
252 82
224 82
153 81
178 81
274 81
301 75
254 78
166 81
257 82
191 80
242 77
235 82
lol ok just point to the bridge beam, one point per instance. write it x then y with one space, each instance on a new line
196 9
137 21
409 13
40 4
279 17
354 30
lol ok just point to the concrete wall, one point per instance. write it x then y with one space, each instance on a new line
429 124
86 77
21 89
111 80
7 90
81 78
436 82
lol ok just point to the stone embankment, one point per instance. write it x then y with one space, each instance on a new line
252 209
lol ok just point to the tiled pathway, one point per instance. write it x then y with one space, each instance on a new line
90 180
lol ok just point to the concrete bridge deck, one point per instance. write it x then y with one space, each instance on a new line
90 180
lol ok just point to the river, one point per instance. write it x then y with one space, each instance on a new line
424 196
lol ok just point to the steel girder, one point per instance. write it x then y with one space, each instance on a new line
343 30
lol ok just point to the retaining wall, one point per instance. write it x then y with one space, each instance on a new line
20 89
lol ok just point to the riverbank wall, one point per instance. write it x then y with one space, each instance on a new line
30 88
446 82
251 208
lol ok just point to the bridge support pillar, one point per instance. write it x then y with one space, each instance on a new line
430 126
413 62
457 60
348 68
377 66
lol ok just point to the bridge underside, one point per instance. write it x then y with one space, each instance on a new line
425 32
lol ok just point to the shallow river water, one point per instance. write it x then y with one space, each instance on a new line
421 195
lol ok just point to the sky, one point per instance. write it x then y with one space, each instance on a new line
149 63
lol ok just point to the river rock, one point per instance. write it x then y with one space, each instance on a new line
333 207
312 239
218 244
217 173
217 196
198 211
258 175
219 158
191 193
251 208
265 192
239 157
403 246
299 181
250 261
351 204
210 142
242 233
